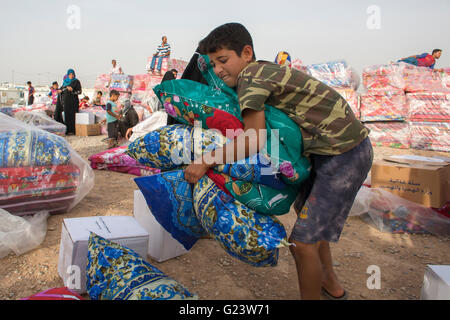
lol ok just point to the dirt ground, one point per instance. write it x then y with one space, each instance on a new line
208 271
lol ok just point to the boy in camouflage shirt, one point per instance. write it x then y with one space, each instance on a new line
335 141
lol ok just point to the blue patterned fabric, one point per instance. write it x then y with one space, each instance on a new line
115 272
24 148
243 233
169 198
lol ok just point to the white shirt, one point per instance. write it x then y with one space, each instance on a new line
115 70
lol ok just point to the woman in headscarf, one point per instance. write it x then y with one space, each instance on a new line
70 90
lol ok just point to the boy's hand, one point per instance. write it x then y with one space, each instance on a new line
195 171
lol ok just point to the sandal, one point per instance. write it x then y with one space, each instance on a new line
331 297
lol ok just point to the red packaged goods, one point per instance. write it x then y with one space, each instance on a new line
422 79
352 98
140 82
433 106
433 136
390 134
384 78
383 106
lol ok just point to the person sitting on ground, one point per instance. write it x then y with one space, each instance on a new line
98 102
424 59
129 119
335 141
112 118
163 51
84 103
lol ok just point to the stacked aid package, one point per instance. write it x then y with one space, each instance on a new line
339 76
39 170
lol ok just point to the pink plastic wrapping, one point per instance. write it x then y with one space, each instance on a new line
101 82
433 136
34 107
140 82
41 121
39 170
419 79
390 213
384 78
164 65
433 106
352 98
383 106
336 74
117 160
390 134
179 65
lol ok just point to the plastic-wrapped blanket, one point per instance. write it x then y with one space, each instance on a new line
352 98
429 106
42 121
121 82
34 107
334 74
101 82
387 106
394 134
117 160
433 136
422 79
39 170
179 65
384 78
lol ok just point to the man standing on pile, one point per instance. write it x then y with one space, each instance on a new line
424 59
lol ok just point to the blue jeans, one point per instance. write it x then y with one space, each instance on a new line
152 65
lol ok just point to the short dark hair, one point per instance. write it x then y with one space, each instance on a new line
54 82
436 50
101 93
28 82
232 36
114 93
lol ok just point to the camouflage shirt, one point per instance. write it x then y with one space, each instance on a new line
327 123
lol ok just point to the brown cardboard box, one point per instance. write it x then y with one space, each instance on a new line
417 179
85 130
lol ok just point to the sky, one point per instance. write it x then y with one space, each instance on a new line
40 40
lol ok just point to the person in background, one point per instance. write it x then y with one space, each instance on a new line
70 90
115 69
424 59
129 119
97 102
283 58
170 75
163 51
84 103
53 95
112 118
31 92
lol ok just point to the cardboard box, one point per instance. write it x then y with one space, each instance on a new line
161 245
422 180
84 118
85 130
75 233
436 283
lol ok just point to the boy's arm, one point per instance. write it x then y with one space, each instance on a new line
251 141
109 111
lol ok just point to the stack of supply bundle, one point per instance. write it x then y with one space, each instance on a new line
39 170
383 108
121 82
339 76
429 120
421 79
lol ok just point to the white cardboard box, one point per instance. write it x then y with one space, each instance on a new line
84 118
161 245
436 283
123 230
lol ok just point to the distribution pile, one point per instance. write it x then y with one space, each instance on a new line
407 106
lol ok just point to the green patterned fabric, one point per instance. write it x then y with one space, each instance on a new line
115 272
